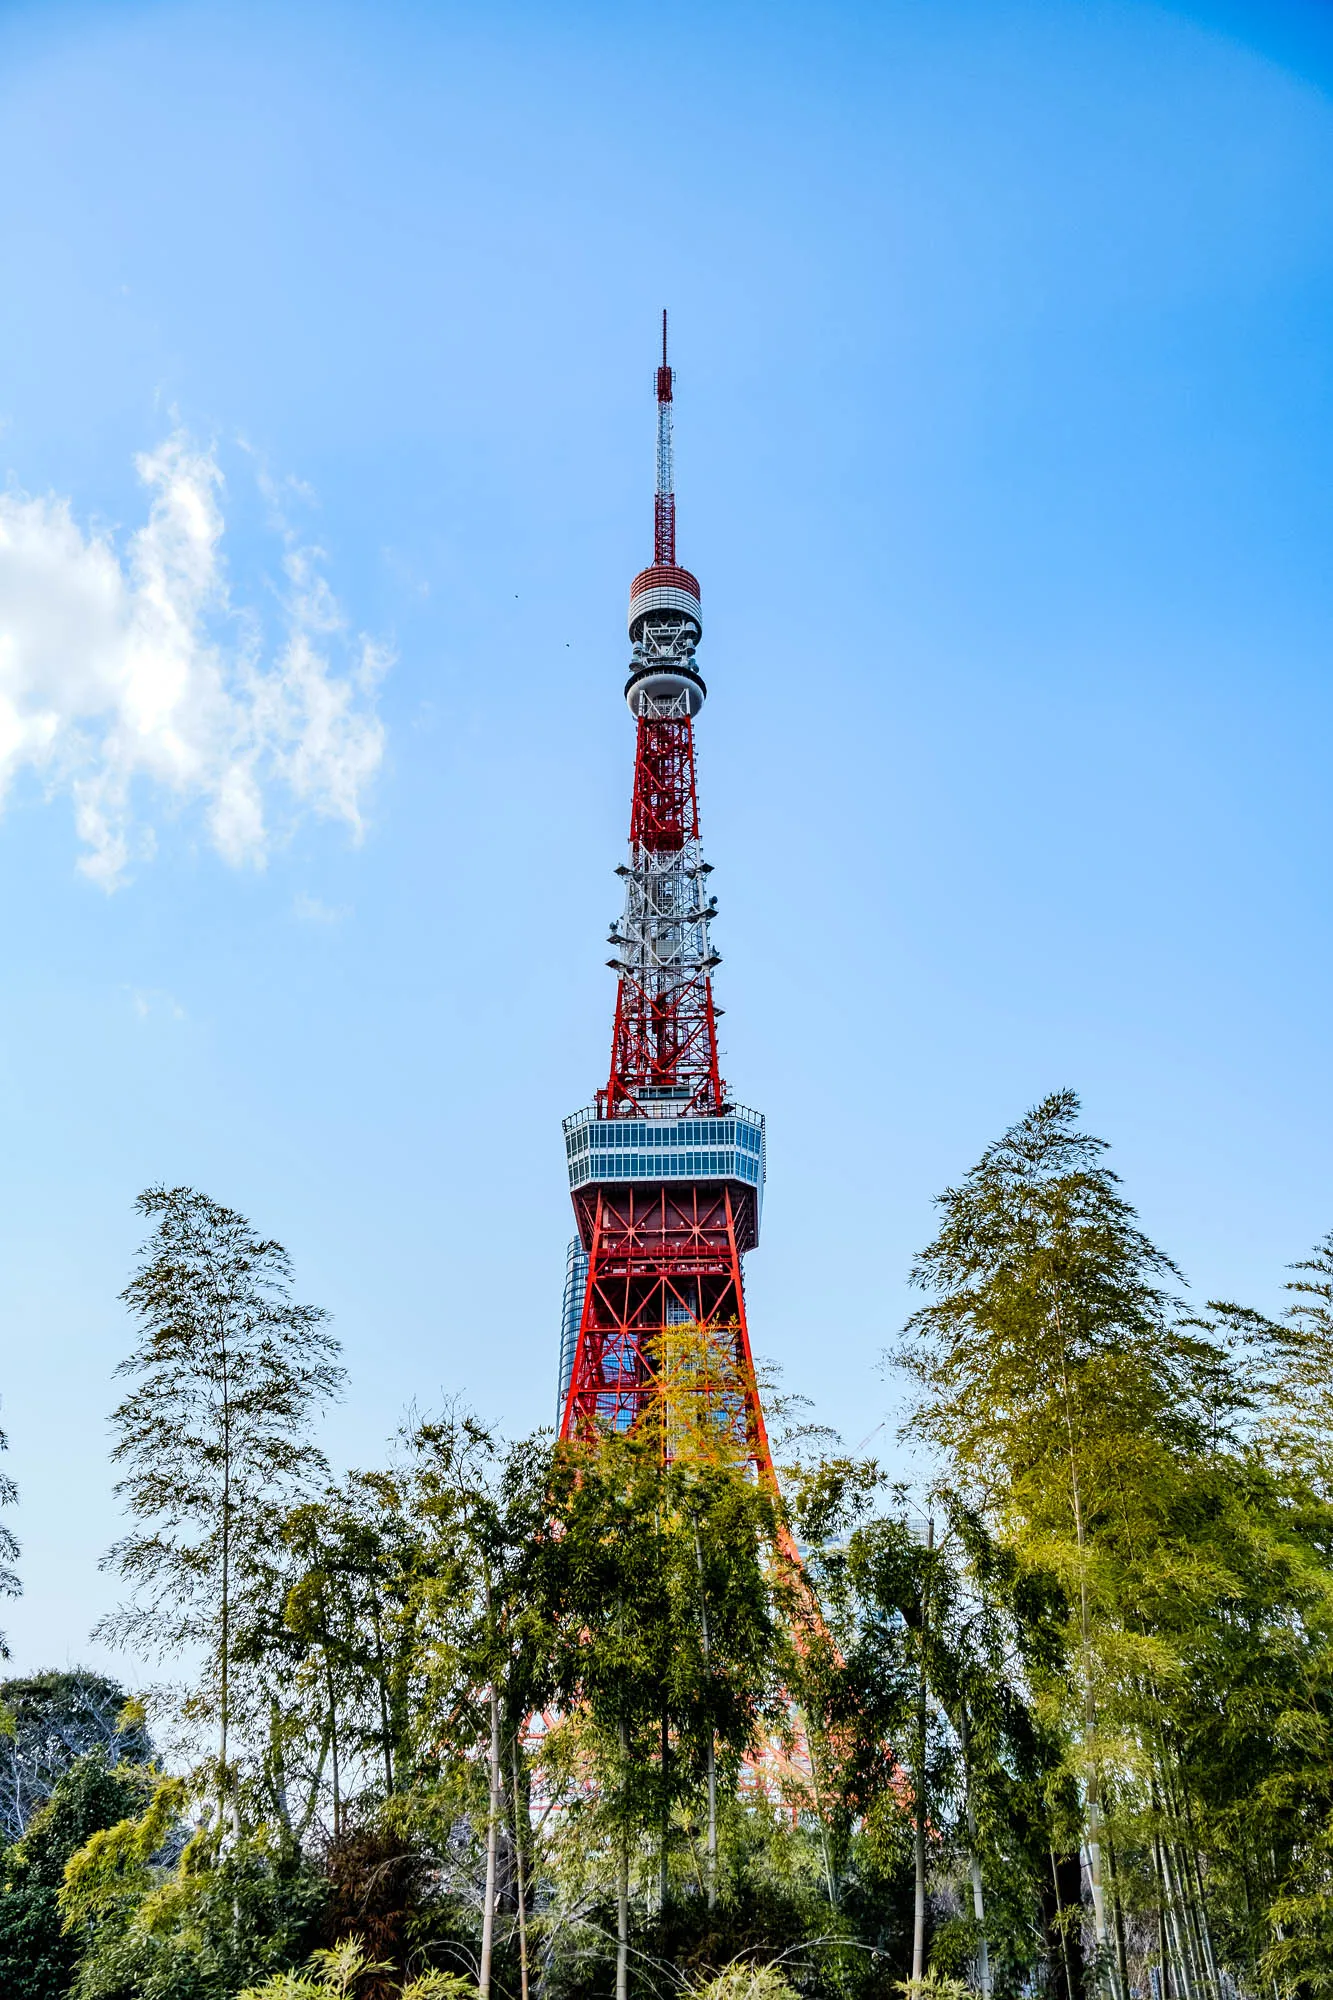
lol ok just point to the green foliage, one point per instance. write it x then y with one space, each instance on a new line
37 1956
337 1972
744 1980
196 1927
548 1716
47 1722
653 1595
935 1986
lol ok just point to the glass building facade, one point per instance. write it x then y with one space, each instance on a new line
576 1283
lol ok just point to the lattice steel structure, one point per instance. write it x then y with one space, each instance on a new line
666 1174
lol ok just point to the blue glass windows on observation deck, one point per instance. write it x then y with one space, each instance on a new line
727 1148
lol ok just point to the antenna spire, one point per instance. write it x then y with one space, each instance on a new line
664 505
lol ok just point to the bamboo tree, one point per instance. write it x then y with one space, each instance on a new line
653 1582
1048 1354
228 1373
476 1617
936 1656
520 1844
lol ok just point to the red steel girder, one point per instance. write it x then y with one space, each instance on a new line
659 1257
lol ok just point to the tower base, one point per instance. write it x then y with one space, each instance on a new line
662 1340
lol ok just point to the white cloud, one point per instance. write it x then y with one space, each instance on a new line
310 910
148 1002
128 676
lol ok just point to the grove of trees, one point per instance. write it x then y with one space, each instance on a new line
545 1722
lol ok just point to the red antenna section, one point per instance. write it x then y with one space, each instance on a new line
666 1174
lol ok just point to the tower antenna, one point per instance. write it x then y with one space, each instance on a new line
664 505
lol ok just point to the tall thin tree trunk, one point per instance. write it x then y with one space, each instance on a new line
277 1759
919 1803
492 1838
1164 1953
830 1880
712 1823
1189 1926
712 1747
224 1644
1121 1955
622 1879
1094 1850
519 1817
1094 1842
1071 1940
1192 1922
1200 1897
664 1857
386 1732
316 1783
333 1740
1173 1980
1183 1969
919 1901
974 1860
1209 1955
979 1911
224 1606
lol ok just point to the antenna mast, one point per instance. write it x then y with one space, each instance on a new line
664 506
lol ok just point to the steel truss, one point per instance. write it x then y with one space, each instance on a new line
665 1034
661 1260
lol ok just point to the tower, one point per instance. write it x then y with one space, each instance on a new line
666 1172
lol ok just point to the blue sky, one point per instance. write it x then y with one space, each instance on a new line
1005 457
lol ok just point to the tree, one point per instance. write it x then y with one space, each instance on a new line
481 1514
1295 1370
47 1722
37 1955
1069 1399
328 1644
698 1425
170 1904
1255 1762
653 1588
947 1634
228 1371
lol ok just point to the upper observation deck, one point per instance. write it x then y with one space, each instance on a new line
727 1147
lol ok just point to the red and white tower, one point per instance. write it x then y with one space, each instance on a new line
665 1171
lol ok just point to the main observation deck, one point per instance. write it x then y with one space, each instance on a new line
729 1147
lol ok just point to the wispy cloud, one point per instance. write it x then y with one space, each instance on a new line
129 677
310 910
149 1002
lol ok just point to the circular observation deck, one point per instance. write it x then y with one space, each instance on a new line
667 595
671 592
